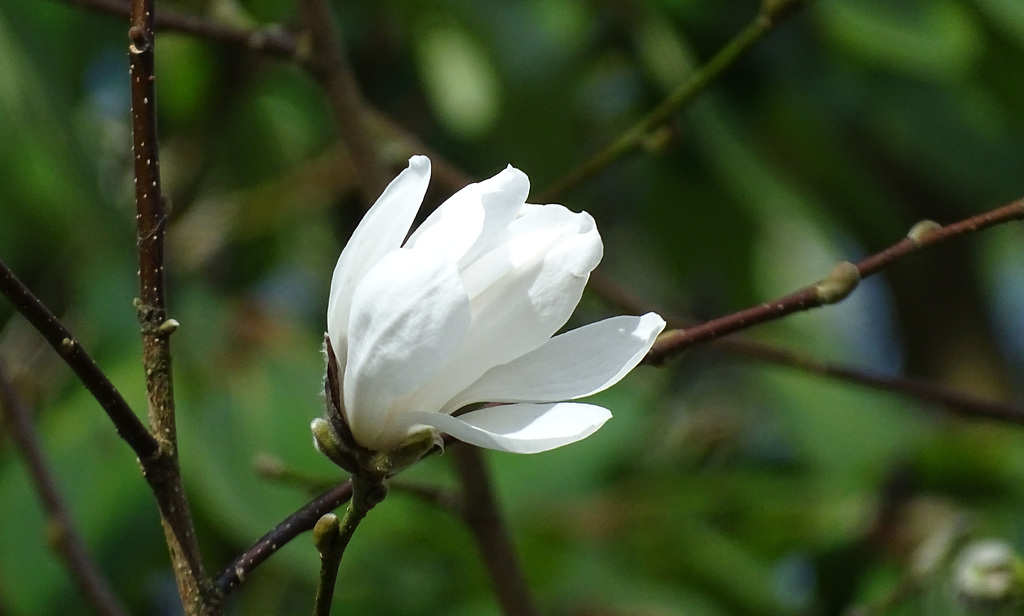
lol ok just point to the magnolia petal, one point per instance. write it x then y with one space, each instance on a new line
572 365
519 428
475 218
381 230
538 231
409 316
529 297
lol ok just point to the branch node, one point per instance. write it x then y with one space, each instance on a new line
139 40
148 315
67 347
839 283
919 232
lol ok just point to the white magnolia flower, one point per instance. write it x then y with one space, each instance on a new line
463 312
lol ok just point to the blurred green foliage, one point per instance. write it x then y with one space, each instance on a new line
721 486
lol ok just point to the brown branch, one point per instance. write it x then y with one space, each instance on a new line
498 553
954 402
61 531
927 233
773 11
271 40
129 427
198 593
278 43
442 172
480 511
275 42
950 400
360 119
330 65
771 14
833 288
294 525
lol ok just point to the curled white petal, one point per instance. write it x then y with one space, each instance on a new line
475 218
381 230
465 312
520 428
532 286
572 365
409 316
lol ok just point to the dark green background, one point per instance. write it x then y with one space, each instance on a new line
721 486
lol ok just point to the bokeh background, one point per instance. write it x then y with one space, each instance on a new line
721 486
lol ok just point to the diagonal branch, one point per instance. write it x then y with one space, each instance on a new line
836 286
129 427
62 532
272 40
330 65
771 14
291 527
773 11
950 400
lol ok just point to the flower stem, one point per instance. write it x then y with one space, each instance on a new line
331 537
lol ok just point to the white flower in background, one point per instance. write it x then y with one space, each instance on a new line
988 575
462 314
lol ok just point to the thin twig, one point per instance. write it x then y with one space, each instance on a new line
306 518
332 538
833 288
128 425
951 401
480 511
327 538
294 525
271 40
273 468
61 529
771 14
330 65
275 42
927 233
198 593
454 178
